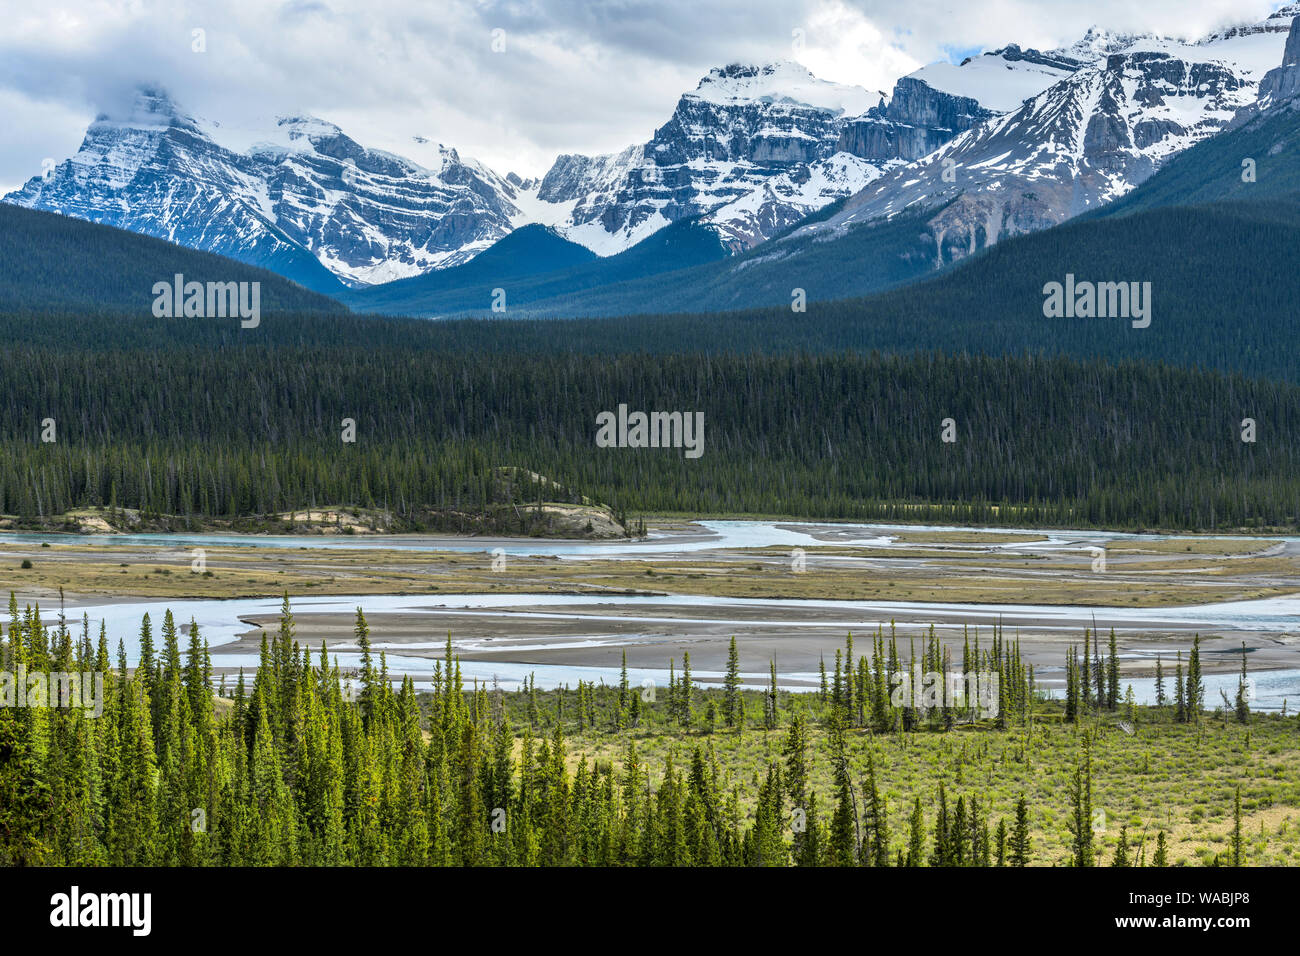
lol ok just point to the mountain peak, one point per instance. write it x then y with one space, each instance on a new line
303 125
1098 43
743 72
781 81
150 107
999 80
285 135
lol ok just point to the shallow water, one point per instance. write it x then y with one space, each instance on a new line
220 621
717 534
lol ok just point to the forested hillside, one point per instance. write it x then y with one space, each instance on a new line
55 263
533 266
228 422
1224 279
1256 161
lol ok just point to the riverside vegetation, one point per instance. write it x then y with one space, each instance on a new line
308 765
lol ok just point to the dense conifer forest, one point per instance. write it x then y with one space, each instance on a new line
193 421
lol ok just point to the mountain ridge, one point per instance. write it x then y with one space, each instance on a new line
754 147
1033 138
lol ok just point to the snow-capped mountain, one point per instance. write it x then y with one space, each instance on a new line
757 148
280 195
298 195
1005 142
1085 140
741 128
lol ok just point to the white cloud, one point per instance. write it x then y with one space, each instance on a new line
575 75
840 43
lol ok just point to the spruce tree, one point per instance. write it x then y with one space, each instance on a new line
1112 674
1121 848
731 685
1243 694
1195 685
1085 678
1238 854
1020 834
684 704
916 836
1180 692
770 700
1080 821
620 713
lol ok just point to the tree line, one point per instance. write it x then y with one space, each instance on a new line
216 429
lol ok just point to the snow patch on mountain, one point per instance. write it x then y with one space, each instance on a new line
784 200
783 82
994 80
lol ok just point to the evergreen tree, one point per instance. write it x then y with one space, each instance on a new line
1180 692
1243 694
1238 854
1112 674
770 701
1195 696
684 703
1020 834
916 836
731 684
1080 822
1121 849
620 713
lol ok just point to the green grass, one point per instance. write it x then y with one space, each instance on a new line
1179 778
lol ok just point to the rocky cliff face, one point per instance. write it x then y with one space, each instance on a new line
742 129
775 114
917 120
787 198
1283 82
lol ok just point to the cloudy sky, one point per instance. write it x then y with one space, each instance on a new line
510 82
